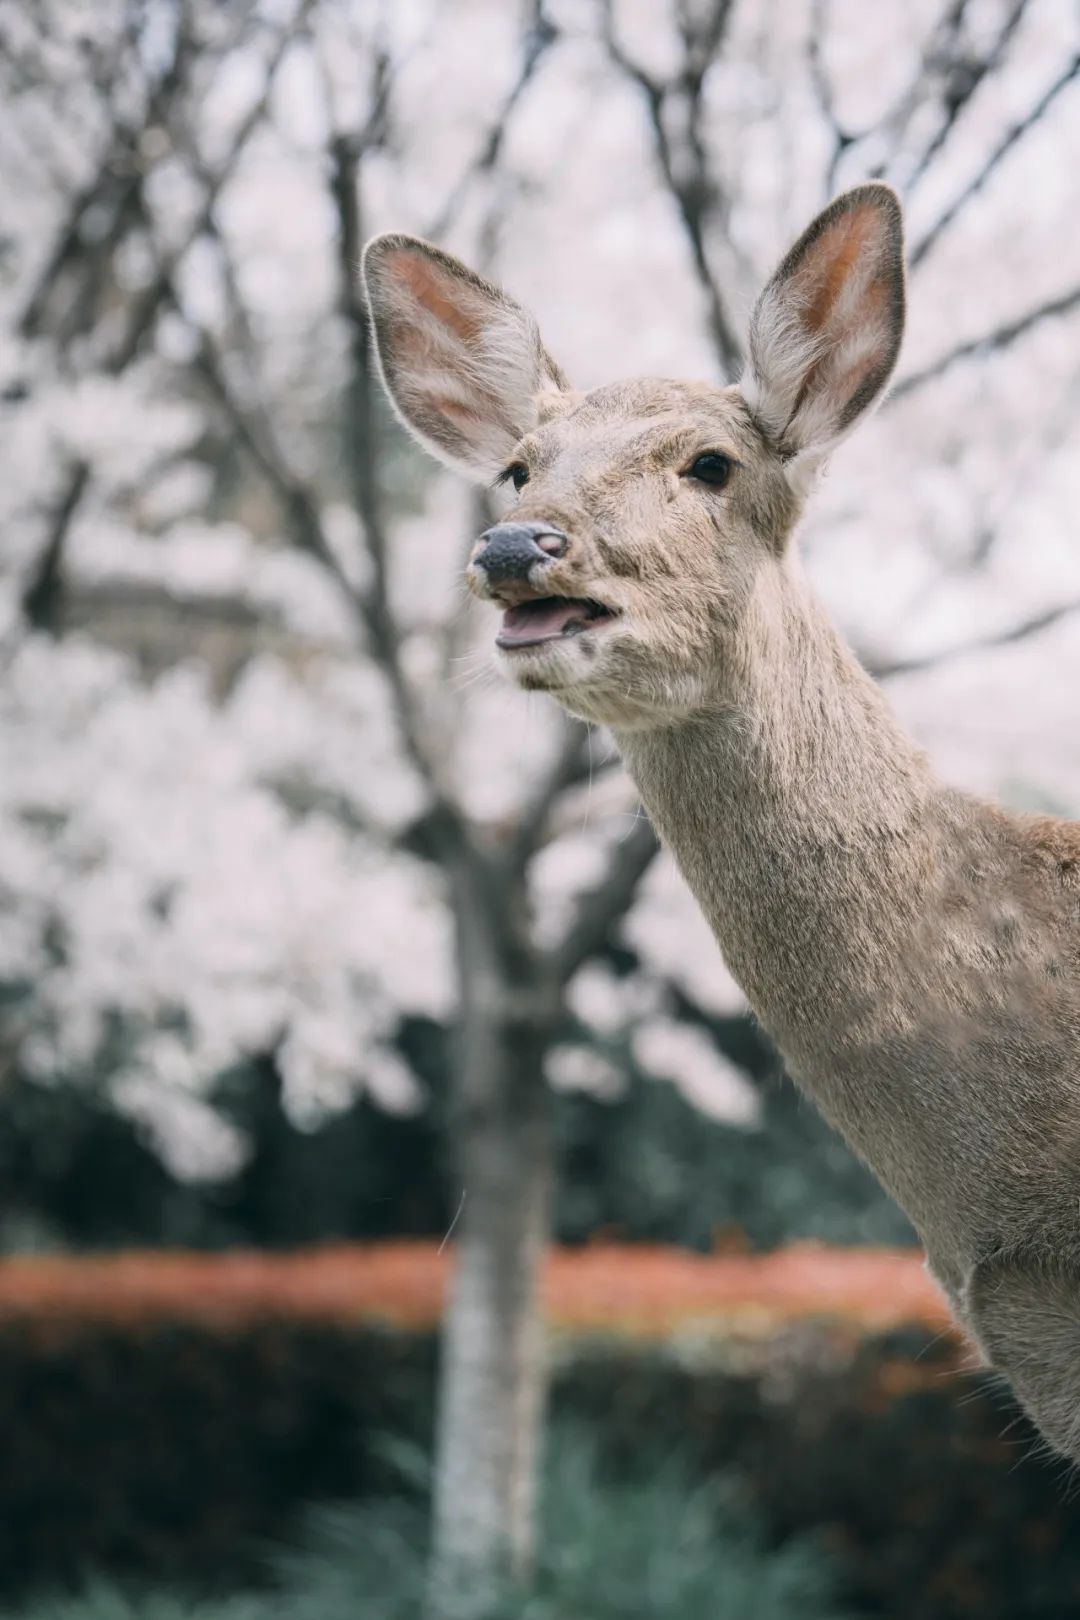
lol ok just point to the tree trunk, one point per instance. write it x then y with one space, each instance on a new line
492 1374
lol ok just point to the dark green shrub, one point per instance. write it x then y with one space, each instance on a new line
176 1454
104 1600
657 1546
171 1450
661 1544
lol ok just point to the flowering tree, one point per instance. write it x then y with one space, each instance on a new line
260 793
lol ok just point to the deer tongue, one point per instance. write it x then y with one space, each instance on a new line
543 620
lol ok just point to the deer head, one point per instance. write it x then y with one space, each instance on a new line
648 514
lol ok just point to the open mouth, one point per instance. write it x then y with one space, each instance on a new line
550 618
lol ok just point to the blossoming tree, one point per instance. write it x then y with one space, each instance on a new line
260 793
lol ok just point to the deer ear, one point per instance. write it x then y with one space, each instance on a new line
826 331
463 364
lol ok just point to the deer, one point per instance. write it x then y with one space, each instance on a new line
912 950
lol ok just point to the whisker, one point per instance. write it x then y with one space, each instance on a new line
474 677
588 790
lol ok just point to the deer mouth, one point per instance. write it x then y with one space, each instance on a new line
550 618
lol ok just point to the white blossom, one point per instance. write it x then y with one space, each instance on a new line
209 857
685 1054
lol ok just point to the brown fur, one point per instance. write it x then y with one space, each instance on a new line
914 951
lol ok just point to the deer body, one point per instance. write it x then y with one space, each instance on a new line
913 951
900 941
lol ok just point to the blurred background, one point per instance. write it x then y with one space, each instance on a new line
336 982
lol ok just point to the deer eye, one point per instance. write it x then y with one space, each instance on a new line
517 474
714 469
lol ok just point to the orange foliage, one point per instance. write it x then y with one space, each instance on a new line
648 1292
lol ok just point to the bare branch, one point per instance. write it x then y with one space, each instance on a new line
540 35
68 245
1021 631
359 414
841 138
600 908
116 187
303 518
1000 152
999 337
692 186
965 73
949 69
255 432
565 770
149 301
894 123
41 596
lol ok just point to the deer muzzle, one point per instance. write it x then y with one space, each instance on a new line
509 552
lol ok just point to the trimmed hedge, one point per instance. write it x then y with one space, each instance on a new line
144 1444
176 1450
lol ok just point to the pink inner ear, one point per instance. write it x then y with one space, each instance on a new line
833 258
432 289
465 415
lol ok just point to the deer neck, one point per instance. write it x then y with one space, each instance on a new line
799 814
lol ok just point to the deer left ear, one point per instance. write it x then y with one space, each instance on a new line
826 331
463 363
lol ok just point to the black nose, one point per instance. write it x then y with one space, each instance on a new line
511 549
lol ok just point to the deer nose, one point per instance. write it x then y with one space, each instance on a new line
509 550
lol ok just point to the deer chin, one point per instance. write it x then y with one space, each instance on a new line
560 661
608 677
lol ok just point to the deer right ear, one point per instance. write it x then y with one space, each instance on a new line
826 331
463 363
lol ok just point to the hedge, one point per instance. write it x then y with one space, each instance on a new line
169 1415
